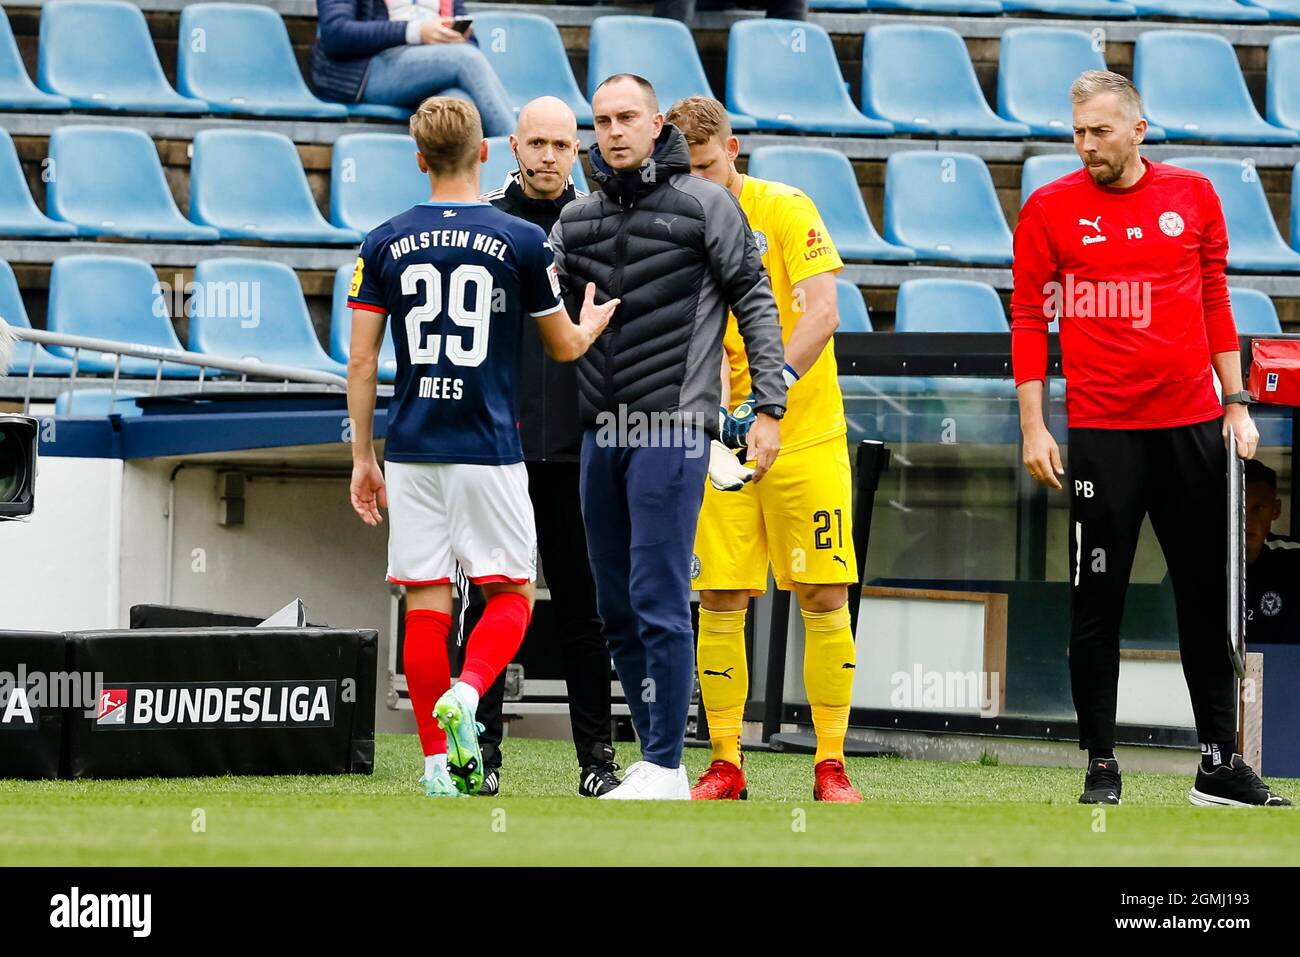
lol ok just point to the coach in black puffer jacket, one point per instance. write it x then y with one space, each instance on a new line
676 251
675 248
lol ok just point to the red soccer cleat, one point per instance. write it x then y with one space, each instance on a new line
723 781
830 783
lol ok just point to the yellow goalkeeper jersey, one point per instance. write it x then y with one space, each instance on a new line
795 245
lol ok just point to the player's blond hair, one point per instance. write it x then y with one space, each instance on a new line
700 118
447 132
1096 82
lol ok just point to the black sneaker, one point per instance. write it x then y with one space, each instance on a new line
491 783
1233 785
1102 784
597 776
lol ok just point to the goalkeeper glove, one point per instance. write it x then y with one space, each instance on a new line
725 471
735 425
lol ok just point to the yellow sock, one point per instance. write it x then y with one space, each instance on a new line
829 658
724 679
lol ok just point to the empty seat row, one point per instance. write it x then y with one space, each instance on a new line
782 75
109 181
1221 11
943 205
241 309
962 305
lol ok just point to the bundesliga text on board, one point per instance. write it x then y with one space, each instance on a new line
162 705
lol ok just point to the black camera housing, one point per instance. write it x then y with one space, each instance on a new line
18 441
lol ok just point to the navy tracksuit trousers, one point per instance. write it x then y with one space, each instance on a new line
640 507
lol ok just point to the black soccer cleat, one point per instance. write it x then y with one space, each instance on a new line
597 779
491 786
1233 784
1102 784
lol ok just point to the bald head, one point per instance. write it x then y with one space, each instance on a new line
548 111
545 141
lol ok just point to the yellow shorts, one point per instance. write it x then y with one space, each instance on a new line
798 518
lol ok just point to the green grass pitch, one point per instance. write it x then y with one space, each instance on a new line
916 812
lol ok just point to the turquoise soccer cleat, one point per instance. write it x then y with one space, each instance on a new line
440 784
464 757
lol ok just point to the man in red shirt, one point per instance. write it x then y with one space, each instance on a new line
1130 254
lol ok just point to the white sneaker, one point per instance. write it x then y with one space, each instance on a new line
650 782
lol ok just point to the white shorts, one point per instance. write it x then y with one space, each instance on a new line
442 513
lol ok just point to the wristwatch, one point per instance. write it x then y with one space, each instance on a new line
775 411
1238 398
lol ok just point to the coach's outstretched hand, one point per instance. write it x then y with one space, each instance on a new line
762 443
593 319
368 491
1043 457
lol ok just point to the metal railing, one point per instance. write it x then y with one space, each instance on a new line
105 347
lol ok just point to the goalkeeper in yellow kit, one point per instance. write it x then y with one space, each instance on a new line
798 518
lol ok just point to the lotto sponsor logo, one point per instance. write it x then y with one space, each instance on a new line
816 245
140 706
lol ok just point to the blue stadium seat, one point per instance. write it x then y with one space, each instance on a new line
1035 69
1041 170
341 329
1282 97
97 403
944 206
840 6
852 307
237 57
17 91
920 78
1253 240
1277 9
1216 10
827 177
939 6
283 334
110 182
15 313
250 184
19 215
373 177
1104 9
1210 102
948 305
501 160
112 297
379 111
1254 312
100 56
785 75
528 55
661 50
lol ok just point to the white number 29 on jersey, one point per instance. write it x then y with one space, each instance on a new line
425 349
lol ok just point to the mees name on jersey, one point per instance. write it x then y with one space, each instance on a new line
457 238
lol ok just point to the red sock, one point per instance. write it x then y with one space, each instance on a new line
495 639
428 673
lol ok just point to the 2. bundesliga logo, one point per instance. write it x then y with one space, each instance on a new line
217 704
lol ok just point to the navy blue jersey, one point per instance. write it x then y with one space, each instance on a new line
457 281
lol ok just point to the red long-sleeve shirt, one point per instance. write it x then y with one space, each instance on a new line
1137 277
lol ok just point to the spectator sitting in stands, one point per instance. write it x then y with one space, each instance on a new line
1272 565
361 56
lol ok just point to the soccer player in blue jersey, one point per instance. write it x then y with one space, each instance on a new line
456 278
